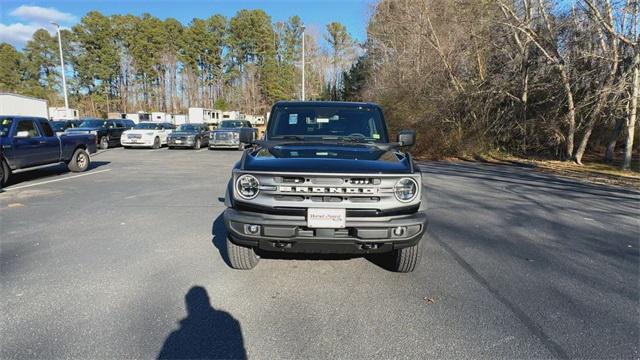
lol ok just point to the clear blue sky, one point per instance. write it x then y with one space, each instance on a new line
18 19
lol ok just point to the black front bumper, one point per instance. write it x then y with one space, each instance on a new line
362 235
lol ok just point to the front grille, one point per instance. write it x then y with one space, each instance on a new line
302 191
134 136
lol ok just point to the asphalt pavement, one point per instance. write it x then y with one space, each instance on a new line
124 261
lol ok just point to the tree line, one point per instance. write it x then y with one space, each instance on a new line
129 63
522 76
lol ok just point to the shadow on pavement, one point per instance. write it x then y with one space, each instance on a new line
205 333
44 173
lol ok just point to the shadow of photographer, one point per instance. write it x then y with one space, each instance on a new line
205 333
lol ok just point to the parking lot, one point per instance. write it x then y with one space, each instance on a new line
125 261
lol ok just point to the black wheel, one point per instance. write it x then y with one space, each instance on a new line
241 257
79 161
197 144
4 173
156 143
406 259
104 143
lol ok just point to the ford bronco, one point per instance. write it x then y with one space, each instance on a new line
325 179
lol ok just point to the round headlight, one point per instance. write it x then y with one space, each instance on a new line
247 186
405 189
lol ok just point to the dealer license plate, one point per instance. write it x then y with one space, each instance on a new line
326 218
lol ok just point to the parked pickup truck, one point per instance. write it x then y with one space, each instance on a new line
326 179
29 143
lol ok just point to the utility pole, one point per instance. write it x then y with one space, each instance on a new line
64 80
303 28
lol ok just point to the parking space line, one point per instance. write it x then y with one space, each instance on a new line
158 149
201 150
55 180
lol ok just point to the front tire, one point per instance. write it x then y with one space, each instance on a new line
197 144
80 161
156 143
104 143
405 259
4 173
241 257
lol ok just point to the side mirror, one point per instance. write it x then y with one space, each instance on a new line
246 136
407 137
22 134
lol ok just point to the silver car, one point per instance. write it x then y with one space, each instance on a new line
227 135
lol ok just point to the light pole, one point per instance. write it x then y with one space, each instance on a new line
64 79
303 28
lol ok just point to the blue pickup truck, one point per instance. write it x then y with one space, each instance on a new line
29 142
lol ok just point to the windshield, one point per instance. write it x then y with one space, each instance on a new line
93 124
147 126
57 125
328 122
5 126
230 124
187 127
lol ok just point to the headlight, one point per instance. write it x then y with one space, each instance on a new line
93 132
405 189
236 136
247 186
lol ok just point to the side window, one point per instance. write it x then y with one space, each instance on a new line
119 124
46 128
28 126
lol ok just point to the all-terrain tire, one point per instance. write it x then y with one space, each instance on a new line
405 259
241 257
80 161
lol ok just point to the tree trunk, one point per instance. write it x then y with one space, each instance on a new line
571 113
611 145
633 114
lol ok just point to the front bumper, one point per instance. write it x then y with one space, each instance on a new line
224 144
181 142
136 142
362 235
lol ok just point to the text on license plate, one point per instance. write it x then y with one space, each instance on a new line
326 218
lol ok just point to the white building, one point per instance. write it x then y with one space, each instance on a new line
179 119
14 104
140 116
220 115
201 116
254 119
161 117
61 113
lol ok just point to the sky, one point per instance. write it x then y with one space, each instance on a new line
20 19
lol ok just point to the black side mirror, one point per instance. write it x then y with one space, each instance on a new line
407 137
246 136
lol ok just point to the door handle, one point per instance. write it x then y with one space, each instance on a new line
42 142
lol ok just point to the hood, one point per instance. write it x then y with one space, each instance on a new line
183 133
139 131
333 158
85 129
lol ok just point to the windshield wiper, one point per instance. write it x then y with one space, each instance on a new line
289 137
354 139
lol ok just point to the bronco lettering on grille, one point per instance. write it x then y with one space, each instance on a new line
326 190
